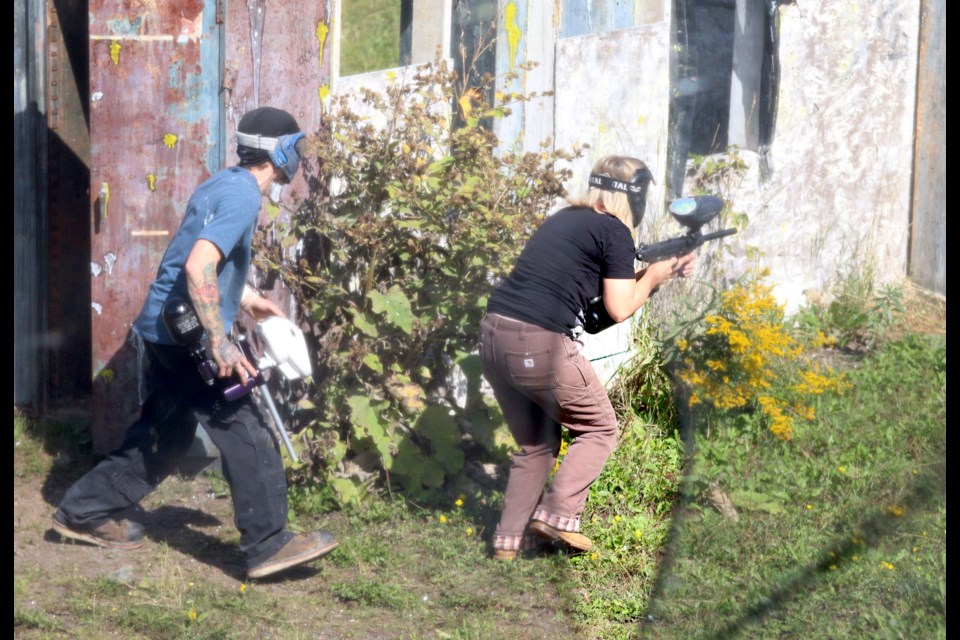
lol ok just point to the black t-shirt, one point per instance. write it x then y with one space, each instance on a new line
561 268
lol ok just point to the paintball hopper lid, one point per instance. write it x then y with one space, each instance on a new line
696 211
284 347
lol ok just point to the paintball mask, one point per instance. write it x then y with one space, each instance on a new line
285 152
636 190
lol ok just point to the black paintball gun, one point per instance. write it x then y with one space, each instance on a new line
184 327
692 212
285 350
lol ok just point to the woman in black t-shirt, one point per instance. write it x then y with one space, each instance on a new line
530 350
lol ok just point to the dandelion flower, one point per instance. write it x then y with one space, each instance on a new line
888 566
192 614
842 469
469 531
897 510
443 519
459 502
243 587
809 506
833 567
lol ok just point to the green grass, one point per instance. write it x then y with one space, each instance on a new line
841 532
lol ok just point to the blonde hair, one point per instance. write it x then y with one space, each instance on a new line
614 202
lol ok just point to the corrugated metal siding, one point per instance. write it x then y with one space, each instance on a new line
29 201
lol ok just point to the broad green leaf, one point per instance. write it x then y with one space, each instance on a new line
363 322
364 415
756 501
372 361
346 489
394 306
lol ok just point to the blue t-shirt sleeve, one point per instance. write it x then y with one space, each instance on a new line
618 254
226 225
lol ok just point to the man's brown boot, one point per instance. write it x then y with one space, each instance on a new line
112 534
300 549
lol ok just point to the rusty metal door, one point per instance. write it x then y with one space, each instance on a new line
156 132
168 84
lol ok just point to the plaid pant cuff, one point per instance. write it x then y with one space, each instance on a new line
521 542
563 523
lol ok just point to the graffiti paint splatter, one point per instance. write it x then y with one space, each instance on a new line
115 52
322 31
170 140
152 181
109 259
323 92
513 30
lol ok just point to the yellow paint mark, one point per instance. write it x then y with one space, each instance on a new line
115 52
152 181
323 92
391 75
322 31
170 140
641 120
513 31
104 198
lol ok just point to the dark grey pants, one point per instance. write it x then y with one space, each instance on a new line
154 444
542 381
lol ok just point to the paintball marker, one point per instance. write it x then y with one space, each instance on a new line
693 213
284 349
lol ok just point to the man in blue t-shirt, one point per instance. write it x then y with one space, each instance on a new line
205 264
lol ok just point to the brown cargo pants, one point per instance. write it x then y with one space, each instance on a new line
541 381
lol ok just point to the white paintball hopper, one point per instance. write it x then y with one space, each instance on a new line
284 350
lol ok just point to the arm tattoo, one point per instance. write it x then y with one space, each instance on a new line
205 294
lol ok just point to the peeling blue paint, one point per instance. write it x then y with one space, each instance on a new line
124 26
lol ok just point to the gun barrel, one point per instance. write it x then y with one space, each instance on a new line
717 234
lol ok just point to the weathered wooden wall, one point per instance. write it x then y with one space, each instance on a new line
837 201
928 246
